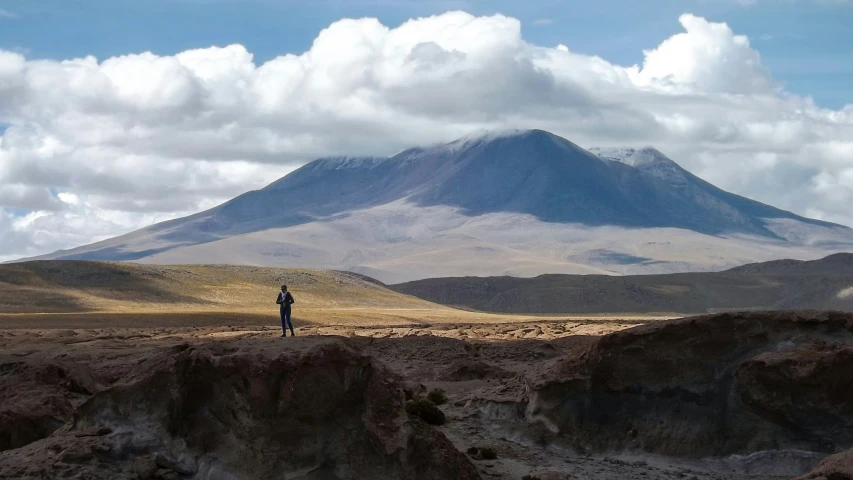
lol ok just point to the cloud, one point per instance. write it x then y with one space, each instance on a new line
7 14
707 58
79 222
140 138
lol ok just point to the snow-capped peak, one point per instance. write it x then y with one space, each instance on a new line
648 159
632 156
485 136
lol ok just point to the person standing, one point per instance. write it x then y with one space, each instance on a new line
284 301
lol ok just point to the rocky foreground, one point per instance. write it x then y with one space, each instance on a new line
730 396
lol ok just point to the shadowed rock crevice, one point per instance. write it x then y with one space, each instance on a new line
36 399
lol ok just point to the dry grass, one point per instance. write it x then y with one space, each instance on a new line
75 294
72 286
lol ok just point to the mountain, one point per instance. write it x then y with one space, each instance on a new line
825 284
520 203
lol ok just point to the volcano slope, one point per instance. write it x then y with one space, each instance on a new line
519 203
729 396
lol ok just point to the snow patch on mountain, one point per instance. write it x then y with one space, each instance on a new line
632 156
648 159
343 163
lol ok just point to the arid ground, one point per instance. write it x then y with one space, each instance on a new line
71 294
128 371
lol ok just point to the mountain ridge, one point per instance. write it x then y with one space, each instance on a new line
823 284
486 191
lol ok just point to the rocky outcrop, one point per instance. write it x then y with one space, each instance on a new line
706 386
36 399
329 412
804 388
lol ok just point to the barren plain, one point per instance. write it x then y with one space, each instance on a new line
155 372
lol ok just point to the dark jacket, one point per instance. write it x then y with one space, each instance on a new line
286 301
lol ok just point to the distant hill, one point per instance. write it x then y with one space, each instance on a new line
70 286
785 284
838 264
519 203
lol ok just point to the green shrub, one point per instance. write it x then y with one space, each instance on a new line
437 396
425 410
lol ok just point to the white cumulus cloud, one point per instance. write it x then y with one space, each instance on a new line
98 147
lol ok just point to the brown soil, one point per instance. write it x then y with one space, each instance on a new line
551 398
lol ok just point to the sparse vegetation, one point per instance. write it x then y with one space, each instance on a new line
426 410
437 396
133 295
482 453
102 286
530 477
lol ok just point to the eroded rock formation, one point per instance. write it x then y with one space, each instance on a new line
37 398
730 396
330 412
707 386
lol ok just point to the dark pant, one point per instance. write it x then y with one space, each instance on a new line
285 320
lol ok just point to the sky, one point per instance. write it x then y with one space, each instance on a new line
115 115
